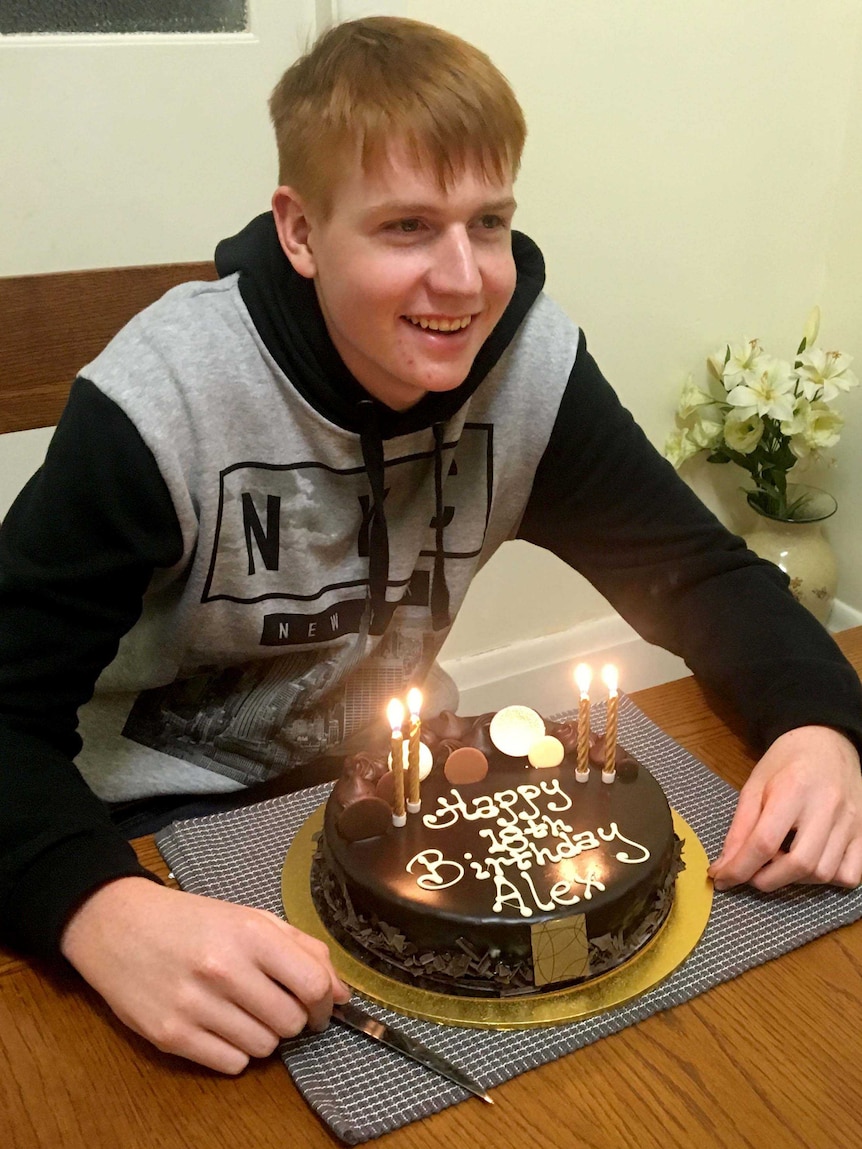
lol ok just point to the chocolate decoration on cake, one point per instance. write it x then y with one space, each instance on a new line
465 765
386 789
480 734
514 729
367 818
546 753
444 748
626 766
567 732
455 899
358 778
445 725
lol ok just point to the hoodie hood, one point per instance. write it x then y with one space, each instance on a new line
284 309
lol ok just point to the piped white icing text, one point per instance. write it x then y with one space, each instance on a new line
527 833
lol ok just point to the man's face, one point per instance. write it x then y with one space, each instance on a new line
411 279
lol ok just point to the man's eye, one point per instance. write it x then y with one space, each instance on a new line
491 221
408 225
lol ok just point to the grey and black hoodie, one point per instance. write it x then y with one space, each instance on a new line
233 556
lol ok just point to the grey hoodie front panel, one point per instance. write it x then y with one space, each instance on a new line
256 652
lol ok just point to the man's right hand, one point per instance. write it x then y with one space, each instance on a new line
215 982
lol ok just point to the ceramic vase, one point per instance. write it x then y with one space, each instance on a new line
798 546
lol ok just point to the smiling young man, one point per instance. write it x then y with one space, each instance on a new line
265 504
411 277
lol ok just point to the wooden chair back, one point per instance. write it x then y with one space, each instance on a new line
51 325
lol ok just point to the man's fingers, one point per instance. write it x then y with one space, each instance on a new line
822 864
278 1006
340 991
744 819
805 795
196 1044
241 1025
303 968
762 839
849 873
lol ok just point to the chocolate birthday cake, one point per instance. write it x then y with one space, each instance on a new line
511 879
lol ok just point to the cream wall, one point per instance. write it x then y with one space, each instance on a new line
842 300
692 174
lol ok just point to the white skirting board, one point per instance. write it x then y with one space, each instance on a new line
538 671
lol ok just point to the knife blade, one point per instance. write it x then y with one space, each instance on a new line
355 1018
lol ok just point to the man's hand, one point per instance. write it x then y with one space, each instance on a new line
208 980
808 781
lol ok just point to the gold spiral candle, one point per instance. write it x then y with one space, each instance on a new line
395 714
583 678
609 675
414 703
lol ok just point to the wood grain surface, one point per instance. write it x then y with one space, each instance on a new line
771 1058
56 323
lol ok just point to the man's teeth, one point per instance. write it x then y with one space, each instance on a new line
440 324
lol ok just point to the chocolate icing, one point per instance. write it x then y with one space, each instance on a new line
473 969
359 778
625 765
386 788
368 818
447 934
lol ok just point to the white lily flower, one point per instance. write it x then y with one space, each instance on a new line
769 392
764 412
824 373
679 447
742 431
821 429
799 421
744 359
692 398
706 430
812 326
715 363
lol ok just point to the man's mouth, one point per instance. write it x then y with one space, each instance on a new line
440 323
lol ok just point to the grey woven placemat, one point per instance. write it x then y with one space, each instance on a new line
362 1090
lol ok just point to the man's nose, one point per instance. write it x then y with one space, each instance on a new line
455 270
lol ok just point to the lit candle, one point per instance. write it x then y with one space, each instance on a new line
414 704
583 678
609 771
395 714
426 759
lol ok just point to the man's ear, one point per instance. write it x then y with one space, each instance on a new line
294 229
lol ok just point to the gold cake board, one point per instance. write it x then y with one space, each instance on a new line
667 950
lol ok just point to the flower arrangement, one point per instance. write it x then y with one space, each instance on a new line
764 414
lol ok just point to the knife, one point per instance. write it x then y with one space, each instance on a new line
362 1022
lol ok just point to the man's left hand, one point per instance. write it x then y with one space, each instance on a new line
809 782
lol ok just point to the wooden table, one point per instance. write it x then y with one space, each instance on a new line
772 1058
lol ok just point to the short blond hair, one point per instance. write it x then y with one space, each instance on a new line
369 83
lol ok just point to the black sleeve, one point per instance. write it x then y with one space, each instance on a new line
77 551
610 506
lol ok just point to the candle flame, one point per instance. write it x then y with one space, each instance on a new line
609 677
395 713
414 700
583 678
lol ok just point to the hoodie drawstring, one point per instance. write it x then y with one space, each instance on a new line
439 589
378 536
